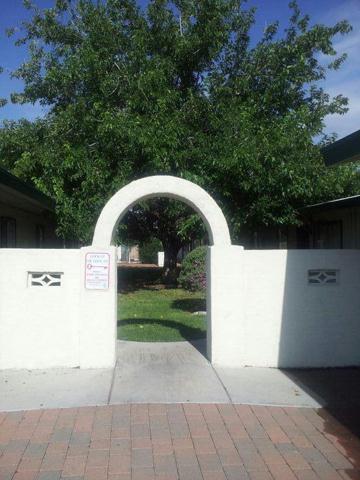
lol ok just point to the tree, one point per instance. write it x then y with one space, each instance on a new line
167 220
176 89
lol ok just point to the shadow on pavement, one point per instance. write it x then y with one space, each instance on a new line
189 304
187 333
337 389
322 332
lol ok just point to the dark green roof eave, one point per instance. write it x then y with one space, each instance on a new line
346 149
346 202
9 180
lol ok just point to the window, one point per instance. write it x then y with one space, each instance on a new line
40 236
303 237
328 235
283 239
7 232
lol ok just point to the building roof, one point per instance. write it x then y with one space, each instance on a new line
346 202
346 149
10 181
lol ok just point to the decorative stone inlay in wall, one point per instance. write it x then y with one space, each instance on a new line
44 279
323 277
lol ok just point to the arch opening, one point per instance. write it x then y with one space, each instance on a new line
154 303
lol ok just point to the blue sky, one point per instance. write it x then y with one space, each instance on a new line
345 81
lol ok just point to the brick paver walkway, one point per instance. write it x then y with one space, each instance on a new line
177 441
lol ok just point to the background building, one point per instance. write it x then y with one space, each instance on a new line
27 218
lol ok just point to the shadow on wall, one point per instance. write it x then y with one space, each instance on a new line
320 324
320 307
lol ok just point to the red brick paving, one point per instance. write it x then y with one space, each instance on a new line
179 442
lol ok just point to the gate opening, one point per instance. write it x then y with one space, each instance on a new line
161 266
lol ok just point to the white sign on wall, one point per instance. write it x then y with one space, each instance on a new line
97 271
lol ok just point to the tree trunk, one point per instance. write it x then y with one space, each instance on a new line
171 250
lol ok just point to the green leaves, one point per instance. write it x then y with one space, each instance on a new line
177 89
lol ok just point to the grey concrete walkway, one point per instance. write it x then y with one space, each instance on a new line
164 372
172 373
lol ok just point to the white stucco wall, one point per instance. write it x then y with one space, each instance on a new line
98 317
268 315
261 310
224 300
67 326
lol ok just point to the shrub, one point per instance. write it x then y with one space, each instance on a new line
149 251
193 270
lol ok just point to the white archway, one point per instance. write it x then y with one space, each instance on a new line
201 202
162 186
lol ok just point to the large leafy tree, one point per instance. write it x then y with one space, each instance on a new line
177 89
173 223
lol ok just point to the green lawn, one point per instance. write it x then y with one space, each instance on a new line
160 315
